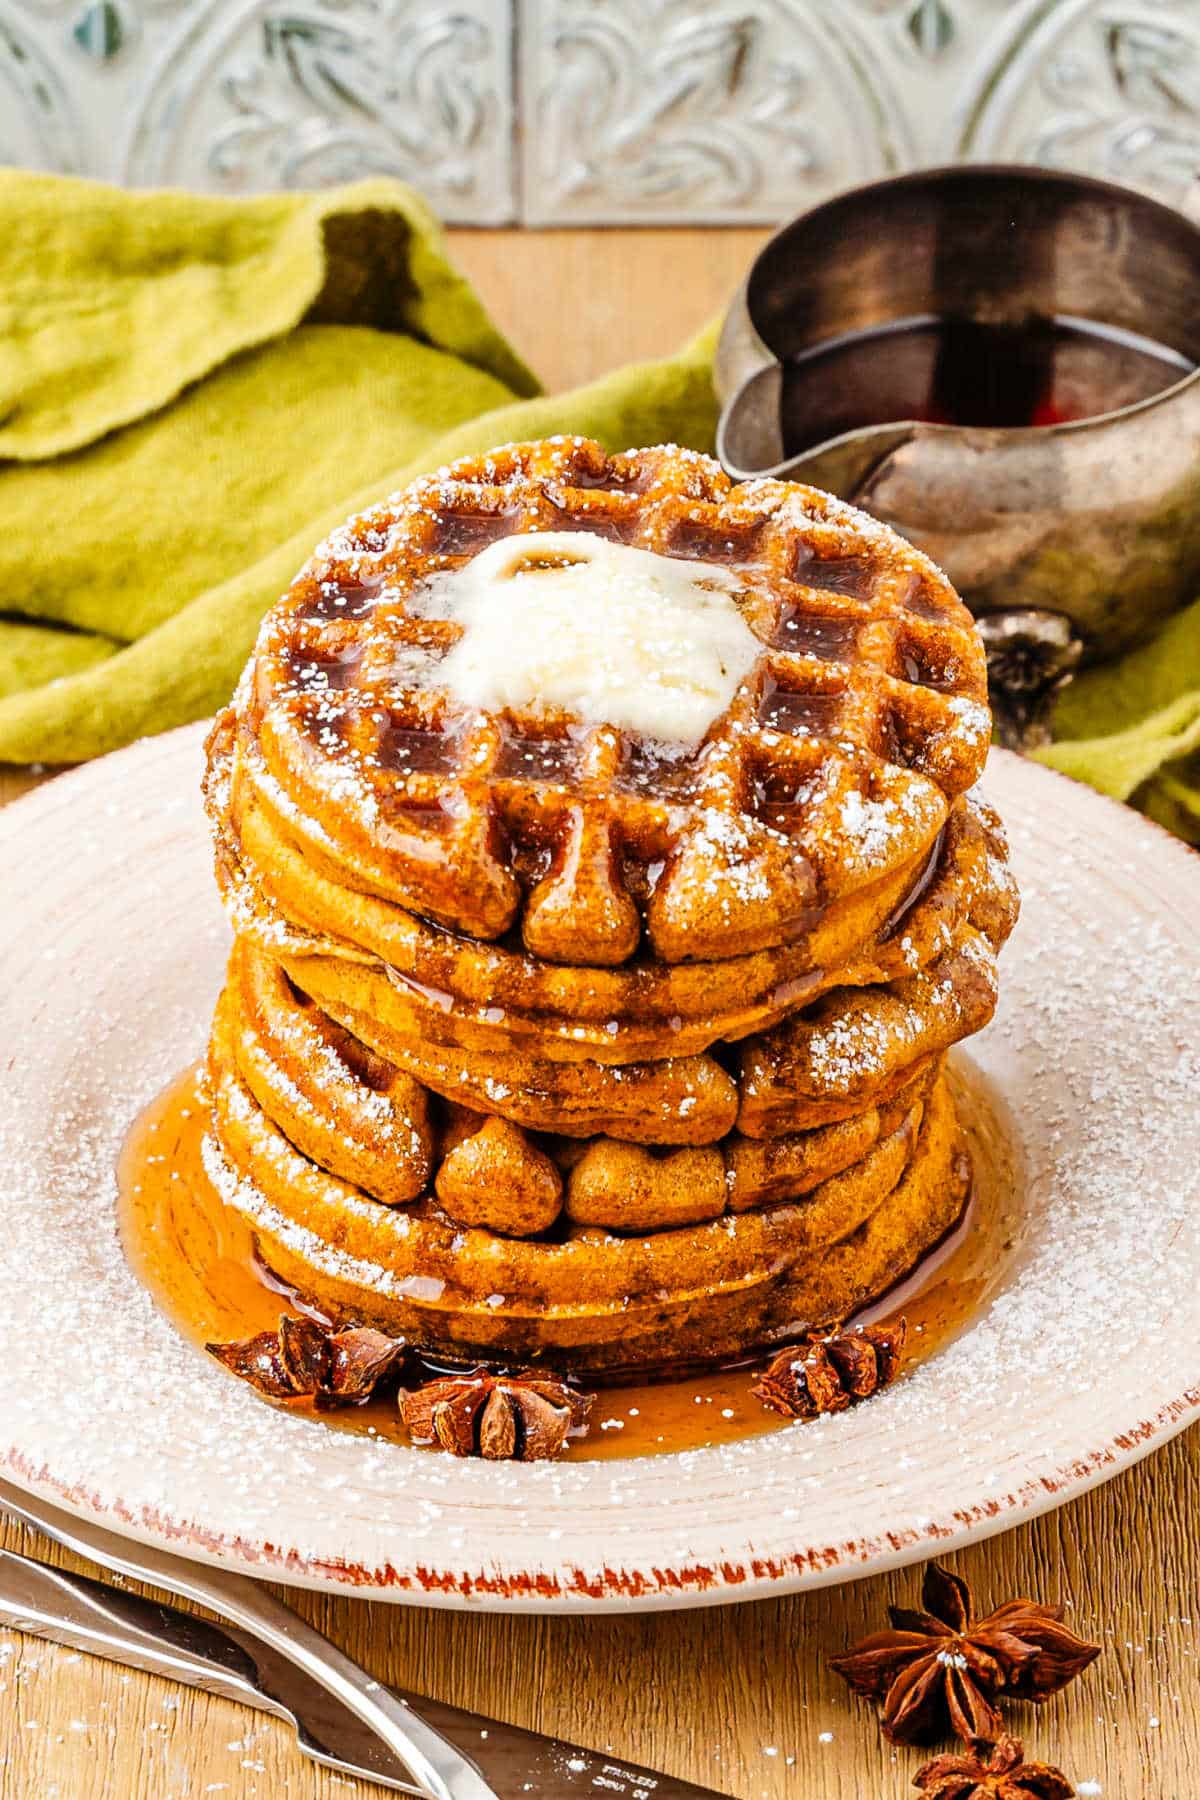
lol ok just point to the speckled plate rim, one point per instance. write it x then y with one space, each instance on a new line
109 964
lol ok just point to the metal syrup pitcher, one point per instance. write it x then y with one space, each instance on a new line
1003 363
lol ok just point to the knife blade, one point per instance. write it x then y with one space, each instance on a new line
126 1627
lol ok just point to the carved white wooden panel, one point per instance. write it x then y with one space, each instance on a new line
1112 89
668 110
573 111
240 95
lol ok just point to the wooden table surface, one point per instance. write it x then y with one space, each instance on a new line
735 1697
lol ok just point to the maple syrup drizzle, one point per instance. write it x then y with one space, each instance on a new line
196 1256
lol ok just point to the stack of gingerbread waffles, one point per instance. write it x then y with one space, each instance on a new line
608 890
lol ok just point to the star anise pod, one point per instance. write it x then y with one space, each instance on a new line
505 1418
940 1670
1004 1776
826 1373
303 1360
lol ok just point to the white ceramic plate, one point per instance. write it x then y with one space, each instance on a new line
112 955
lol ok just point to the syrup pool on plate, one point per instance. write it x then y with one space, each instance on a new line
197 1259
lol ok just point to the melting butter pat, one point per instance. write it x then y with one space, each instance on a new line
616 635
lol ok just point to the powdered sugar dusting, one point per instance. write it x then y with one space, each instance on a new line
871 824
106 982
974 719
731 847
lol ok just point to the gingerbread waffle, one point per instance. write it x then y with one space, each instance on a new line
321 1088
546 1035
452 989
282 893
851 1047
341 1105
836 763
580 1296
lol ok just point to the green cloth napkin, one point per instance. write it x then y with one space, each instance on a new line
1132 727
194 390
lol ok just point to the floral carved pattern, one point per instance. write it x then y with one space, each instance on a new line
735 110
36 126
327 90
1108 90
660 110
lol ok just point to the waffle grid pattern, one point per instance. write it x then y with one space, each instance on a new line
863 719
544 1037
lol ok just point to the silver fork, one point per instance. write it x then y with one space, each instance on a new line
437 1769
269 1658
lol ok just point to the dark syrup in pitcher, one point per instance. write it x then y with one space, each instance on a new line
947 371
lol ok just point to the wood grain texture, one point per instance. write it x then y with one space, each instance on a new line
578 303
738 1697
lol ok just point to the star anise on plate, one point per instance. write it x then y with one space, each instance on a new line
827 1372
303 1360
1005 1775
505 1418
939 1670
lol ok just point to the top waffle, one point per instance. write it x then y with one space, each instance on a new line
834 764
